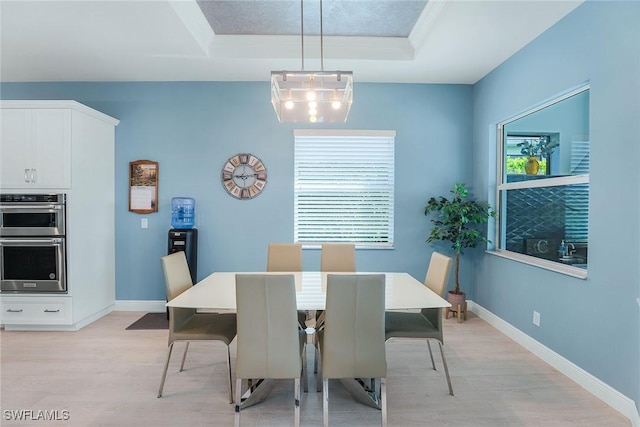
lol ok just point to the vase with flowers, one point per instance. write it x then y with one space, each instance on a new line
536 149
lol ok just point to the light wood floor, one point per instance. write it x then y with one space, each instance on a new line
104 375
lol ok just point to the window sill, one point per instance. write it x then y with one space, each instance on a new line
568 270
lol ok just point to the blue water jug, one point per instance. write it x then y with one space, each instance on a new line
183 212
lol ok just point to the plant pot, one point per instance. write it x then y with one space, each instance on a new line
532 166
458 305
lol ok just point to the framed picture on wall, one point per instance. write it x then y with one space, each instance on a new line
143 186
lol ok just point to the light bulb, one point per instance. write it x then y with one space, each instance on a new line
313 104
336 105
313 119
313 112
288 105
311 96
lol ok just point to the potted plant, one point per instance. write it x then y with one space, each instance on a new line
458 221
536 150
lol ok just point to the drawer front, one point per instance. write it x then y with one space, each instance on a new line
36 311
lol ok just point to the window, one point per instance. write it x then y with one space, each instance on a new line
516 161
543 185
343 187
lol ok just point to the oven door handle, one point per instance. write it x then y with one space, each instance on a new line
30 208
27 241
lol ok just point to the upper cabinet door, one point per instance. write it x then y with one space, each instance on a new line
36 148
52 147
15 148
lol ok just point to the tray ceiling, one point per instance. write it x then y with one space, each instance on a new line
435 41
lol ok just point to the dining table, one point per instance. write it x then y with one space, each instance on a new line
216 293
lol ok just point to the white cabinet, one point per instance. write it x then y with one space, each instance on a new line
35 310
71 149
35 147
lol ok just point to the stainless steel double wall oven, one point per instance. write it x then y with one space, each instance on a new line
33 243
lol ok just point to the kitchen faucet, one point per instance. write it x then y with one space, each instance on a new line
571 251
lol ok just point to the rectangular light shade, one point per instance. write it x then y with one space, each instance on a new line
312 96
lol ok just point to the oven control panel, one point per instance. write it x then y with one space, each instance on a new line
32 198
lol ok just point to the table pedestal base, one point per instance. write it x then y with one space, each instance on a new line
256 393
366 391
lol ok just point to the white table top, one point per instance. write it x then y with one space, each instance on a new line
217 292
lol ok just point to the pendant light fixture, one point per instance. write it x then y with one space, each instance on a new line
312 96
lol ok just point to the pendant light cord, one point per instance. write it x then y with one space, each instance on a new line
302 30
302 35
321 41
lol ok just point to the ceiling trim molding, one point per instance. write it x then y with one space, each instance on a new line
344 47
425 23
194 20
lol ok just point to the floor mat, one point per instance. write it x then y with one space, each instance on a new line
151 321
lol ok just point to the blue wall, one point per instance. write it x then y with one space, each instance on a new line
594 322
192 128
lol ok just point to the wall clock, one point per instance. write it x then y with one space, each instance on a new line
244 176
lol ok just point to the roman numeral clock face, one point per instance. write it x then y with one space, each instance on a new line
244 176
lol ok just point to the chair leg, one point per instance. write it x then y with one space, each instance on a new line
446 369
229 369
433 364
164 373
237 406
184 356
319 370
296 395
315 359
316 346
383 400
325 402
305 380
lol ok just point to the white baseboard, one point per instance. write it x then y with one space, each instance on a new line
146 305
90 319
601 390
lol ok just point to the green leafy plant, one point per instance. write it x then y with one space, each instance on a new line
541 147
458 221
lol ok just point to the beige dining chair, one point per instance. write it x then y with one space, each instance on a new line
284 257
270 343
334 257
338 257
427 324
287 257
352 341
185 324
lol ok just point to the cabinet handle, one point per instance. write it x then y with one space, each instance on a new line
51 311
34 175
26 175
14 311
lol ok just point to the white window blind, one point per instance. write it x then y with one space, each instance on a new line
343 187
577 197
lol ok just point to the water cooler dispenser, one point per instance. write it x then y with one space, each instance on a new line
183 237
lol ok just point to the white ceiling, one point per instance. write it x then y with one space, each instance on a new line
439 41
